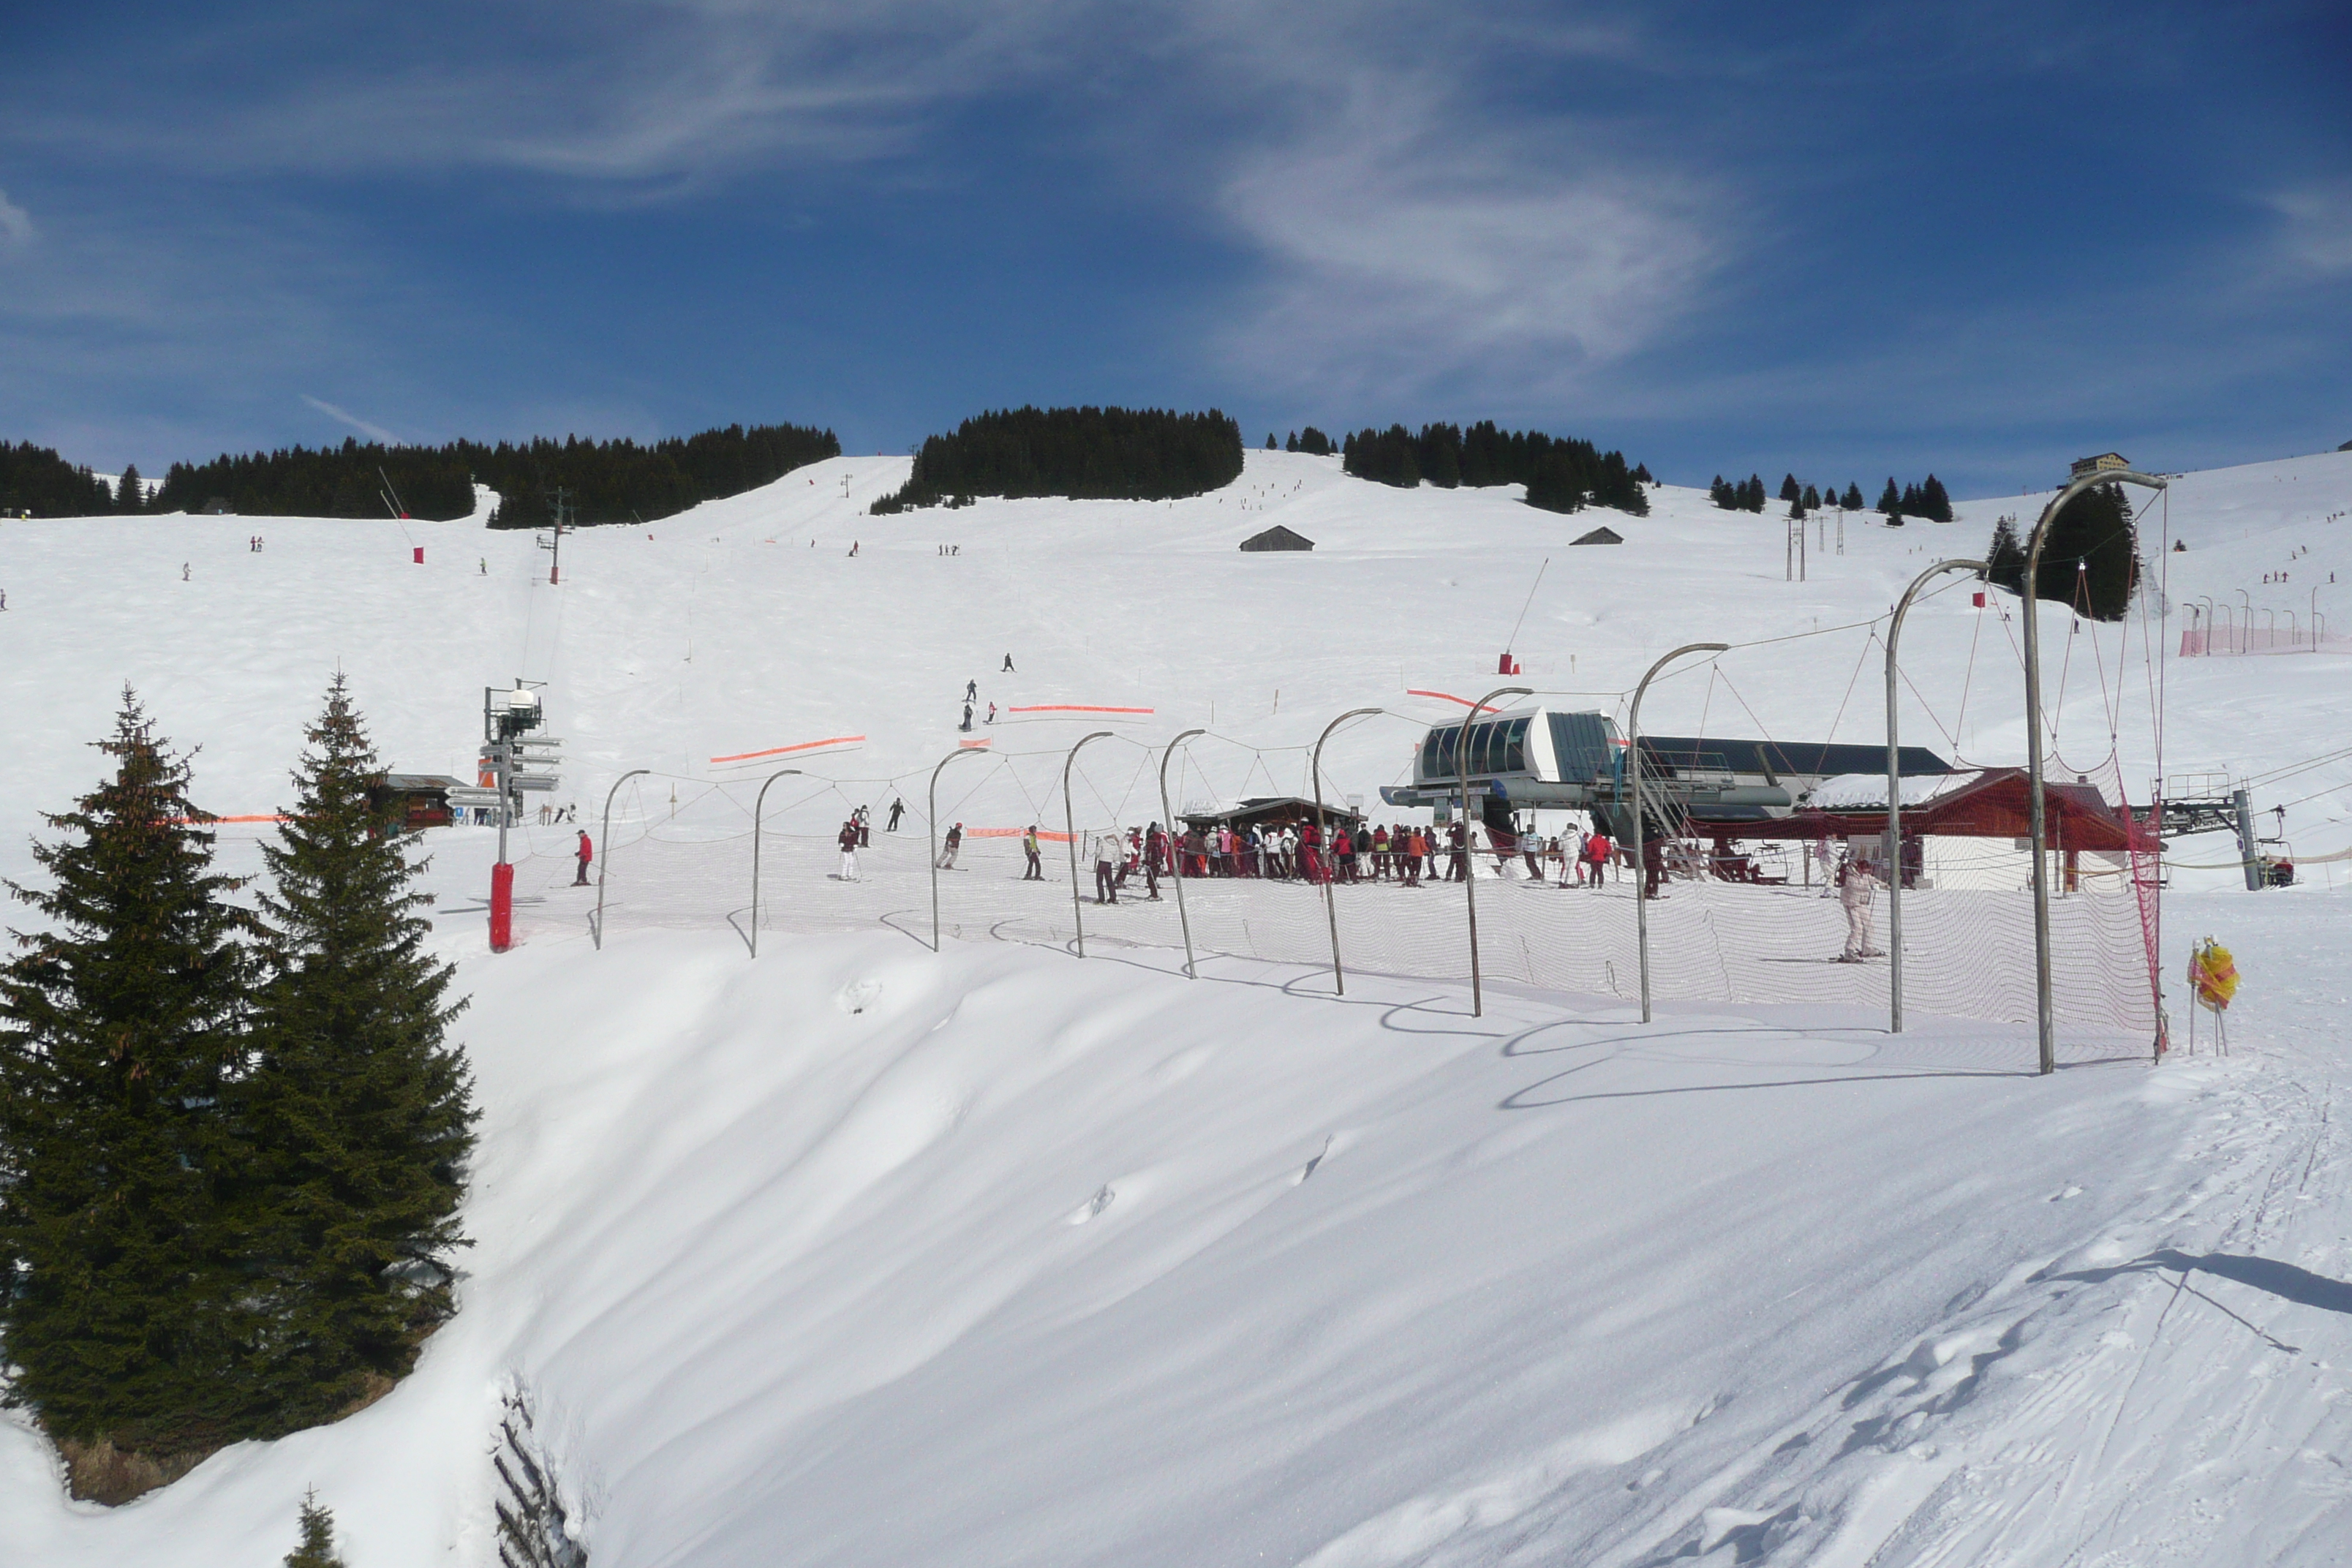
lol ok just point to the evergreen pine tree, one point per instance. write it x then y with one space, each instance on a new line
1269 441
1641 474
1796 507
318 1548
1722 495
1291 444
358 1109
1851 501
1752 493
129 495
1812 499
1935 503
2090 556
2005 557
120 1042
1890 499
1788 490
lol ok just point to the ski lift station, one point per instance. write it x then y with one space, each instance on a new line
1728 788
1546 760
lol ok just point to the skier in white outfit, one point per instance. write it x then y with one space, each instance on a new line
1857 880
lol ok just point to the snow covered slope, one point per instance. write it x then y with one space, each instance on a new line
856 1254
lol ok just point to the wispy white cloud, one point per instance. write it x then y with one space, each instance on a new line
665 93
2316 236
342 416
1412 246
15 225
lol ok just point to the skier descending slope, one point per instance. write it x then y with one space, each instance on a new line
848 841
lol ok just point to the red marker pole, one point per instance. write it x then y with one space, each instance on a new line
501 906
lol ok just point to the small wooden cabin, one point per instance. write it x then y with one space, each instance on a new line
1277 538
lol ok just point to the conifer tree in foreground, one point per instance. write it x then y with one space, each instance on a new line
121 1039
318 1548
358 1109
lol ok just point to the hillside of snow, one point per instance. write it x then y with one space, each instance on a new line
856 1254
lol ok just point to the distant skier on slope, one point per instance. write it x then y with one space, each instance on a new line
1037 871
1008 660
971 691
584 852
953 842
966 725
897 810
847 839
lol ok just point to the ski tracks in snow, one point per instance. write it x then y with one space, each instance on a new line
2171 1392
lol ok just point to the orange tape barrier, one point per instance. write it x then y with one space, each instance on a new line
1447 696
786 751
1042 835
972 746
1075 707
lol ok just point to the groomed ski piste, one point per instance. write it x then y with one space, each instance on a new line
856 1254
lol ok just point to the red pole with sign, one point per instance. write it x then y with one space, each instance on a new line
501 906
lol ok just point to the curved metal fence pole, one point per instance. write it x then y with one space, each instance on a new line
1175 850
1331 881
932 815
603 855
2044 1018
1633 760
1895 794
759 804
1070 828
1469 850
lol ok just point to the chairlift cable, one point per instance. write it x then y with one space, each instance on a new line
1513 640
1869 643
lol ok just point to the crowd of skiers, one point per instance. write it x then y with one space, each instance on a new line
1305 852
1403 854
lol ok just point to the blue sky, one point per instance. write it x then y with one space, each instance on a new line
1846 240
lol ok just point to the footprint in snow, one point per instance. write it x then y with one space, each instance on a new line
858 996
1308 1169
